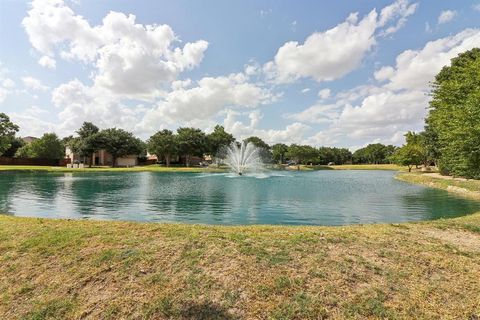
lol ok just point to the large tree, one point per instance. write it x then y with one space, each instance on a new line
408 155
191 142
15 144
88 142
279 151
454 115
218 139
49 146
163 144
7 132
257 142
120 143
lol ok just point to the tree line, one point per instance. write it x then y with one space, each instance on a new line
451 138
166 144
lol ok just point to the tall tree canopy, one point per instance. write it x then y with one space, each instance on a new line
218 139
374 154
279 151
454 115
257 142
88 141
49 146
191 142
120 143
163 144
7 132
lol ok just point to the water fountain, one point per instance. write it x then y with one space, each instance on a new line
242 158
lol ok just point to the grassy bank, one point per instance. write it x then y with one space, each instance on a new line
392 167
56 269
468 188
150 168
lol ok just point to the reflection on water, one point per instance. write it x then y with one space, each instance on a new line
318 198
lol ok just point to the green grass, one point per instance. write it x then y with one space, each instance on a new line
468 188
150 168
62 269
392 167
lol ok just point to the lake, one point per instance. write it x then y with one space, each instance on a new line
292 198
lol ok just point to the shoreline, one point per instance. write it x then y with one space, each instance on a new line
459 186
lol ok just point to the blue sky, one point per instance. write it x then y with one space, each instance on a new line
318 72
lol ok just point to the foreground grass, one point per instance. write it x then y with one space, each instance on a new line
59 269
150 168
469 188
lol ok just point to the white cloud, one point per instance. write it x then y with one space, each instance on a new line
305 90
79 103
384 112
446 16
208 98
293 133
331 54
415 68
47 62
6 84
476 7
34 84
319 113
131 59
324 93
398 10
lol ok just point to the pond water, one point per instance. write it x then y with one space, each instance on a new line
295 198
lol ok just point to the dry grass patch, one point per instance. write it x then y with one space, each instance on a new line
51 269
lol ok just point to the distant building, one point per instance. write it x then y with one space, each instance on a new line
29 139
101 158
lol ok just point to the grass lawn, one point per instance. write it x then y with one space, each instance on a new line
56 269
392 167
469 188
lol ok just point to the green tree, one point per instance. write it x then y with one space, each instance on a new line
49 146
88 142
257 142
454 115
7 132
409 155
279 151
191 142
218 139
302 154
15 144
24 152
119 143
163 144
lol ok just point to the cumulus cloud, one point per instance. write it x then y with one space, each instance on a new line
324 93
415 68
79 103
130 59
383 112
293 133
318 113
47 62
34 84
6 84
207 98
331 54
446 16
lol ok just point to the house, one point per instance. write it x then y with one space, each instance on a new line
101 158
29 139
